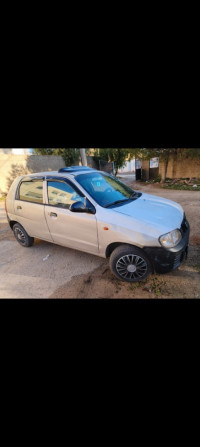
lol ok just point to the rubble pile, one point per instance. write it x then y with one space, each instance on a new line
193 181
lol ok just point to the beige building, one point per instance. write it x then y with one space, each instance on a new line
14 163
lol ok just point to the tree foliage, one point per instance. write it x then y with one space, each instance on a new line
117 155
165 153
70 156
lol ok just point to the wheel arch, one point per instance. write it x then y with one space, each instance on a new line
111 247
12 223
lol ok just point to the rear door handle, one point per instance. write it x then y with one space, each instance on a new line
53 214
19 208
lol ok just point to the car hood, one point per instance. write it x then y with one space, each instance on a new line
154 210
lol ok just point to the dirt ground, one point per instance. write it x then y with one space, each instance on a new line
181 283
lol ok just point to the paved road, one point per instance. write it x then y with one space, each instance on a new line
25 274
126 178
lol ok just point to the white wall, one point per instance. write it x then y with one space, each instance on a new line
19 151
129 166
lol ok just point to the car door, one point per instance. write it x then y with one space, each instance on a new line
75 230
29 208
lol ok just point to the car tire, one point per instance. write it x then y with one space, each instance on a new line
130 263
22 237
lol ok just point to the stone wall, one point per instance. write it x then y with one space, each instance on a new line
12 166
185 168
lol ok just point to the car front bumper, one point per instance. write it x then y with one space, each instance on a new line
164 260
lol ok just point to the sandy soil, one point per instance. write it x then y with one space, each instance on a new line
182 283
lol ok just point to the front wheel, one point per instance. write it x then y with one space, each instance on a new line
130 263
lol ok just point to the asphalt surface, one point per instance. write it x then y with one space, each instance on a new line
37 271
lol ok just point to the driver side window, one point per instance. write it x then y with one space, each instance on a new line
62 195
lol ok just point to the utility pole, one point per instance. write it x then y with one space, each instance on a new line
83 157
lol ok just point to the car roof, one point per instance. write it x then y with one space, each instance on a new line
67 174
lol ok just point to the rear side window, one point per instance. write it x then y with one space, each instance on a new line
31 191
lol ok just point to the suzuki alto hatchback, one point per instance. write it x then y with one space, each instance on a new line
94 212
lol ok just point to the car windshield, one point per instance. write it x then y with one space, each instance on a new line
105 190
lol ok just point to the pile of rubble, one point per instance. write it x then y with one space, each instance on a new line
193 182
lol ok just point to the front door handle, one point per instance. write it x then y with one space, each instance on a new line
53 215
19 208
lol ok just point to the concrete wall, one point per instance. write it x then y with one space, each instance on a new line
5 151
129 167
13 165
181 168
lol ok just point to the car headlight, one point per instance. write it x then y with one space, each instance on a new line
171 239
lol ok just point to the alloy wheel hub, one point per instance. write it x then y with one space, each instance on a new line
20 235
131 267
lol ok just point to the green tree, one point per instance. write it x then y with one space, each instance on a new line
190 153
118 156
70 156
135 153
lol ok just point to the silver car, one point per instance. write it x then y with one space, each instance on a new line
94 212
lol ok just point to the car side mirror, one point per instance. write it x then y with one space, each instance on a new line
80 207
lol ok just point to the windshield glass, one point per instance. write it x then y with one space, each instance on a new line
104 189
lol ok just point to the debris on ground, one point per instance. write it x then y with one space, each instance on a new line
147 288
182 183
176 183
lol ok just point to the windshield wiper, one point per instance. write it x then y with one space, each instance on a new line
133 195
115 203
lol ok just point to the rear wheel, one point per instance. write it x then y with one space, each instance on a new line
22 237
130 263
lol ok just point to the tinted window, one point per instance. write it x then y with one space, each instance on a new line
61 194
104 189
31 191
